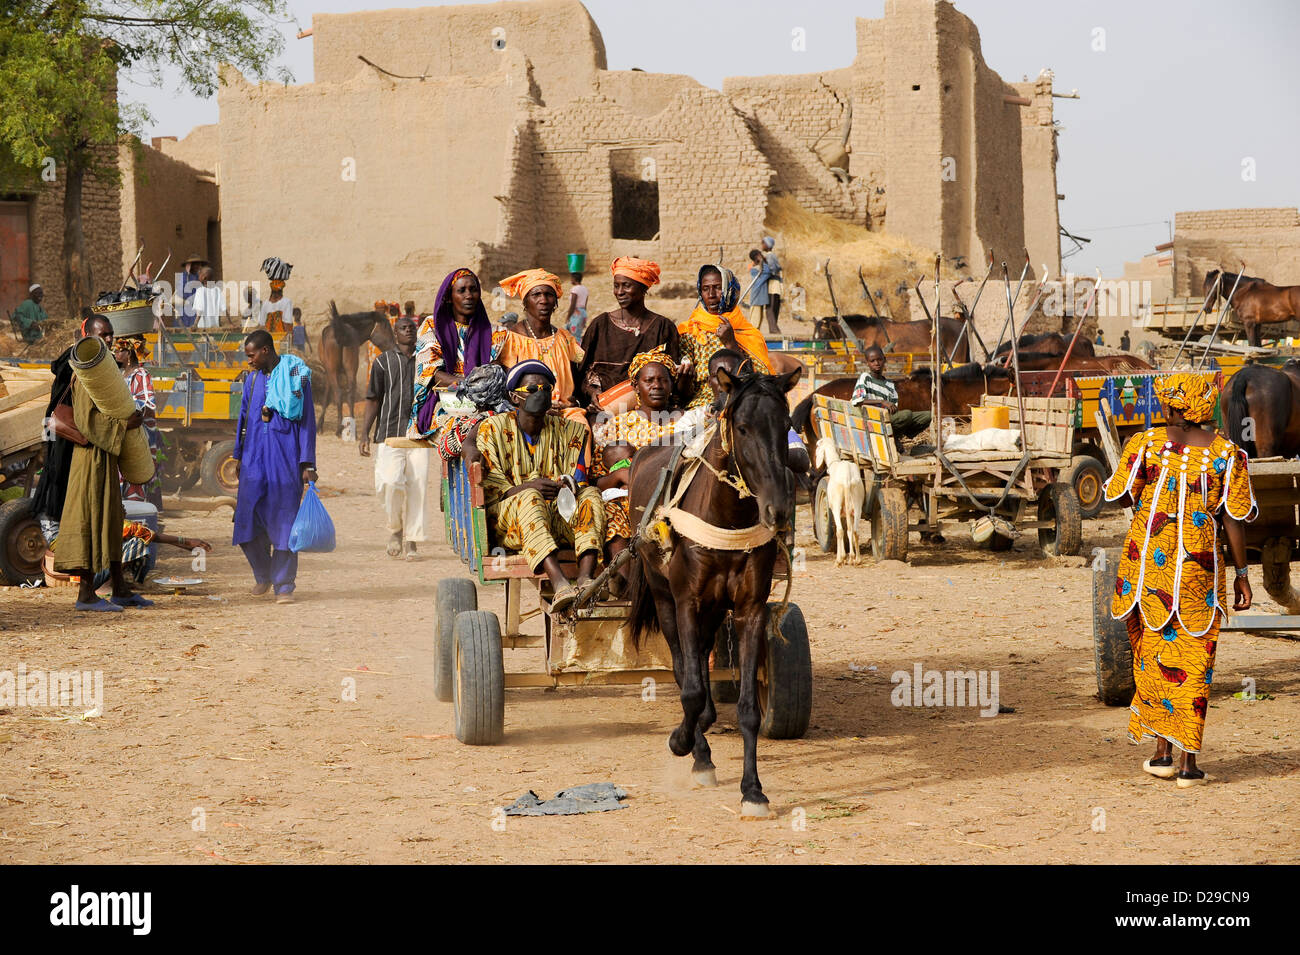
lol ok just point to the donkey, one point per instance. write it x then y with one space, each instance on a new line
340 353
743 484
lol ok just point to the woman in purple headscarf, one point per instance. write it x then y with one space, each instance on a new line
453 341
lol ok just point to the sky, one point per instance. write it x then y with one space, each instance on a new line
1184 104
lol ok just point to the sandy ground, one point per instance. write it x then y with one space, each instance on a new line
225 736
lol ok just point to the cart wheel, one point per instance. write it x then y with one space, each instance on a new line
22 545
1059 504
456 595
1112 651
823 526
217 470
480 679
726 653
1088 478
889 525
785 692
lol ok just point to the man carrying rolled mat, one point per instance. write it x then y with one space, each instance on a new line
90 527
275 454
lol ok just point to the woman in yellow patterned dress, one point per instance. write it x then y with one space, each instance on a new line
1182 481
617 439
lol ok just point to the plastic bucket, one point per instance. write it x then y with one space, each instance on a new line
577 262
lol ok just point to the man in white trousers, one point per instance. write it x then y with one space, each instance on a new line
401 474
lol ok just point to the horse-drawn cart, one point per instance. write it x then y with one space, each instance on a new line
24 396
589 646
995 489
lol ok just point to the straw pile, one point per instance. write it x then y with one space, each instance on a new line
805 240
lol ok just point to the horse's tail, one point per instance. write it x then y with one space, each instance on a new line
801 415
1236 412
334 313
644 615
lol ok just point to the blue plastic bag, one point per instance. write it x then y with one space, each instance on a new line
312 529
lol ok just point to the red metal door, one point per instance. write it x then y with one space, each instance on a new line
15 255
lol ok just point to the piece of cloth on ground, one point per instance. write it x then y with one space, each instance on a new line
589 797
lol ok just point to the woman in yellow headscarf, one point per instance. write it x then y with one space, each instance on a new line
718 323
653 374
534 337
1183 481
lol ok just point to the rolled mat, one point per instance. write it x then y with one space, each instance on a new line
98 373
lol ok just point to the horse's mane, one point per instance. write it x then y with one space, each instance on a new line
1028 341
970 371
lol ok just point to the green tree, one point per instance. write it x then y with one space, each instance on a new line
59 65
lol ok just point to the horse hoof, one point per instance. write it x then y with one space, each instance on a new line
704 777
755 810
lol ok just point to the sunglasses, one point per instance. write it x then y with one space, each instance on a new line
530 389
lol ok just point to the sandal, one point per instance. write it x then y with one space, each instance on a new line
564 599
1200 778
394 548
135 600
1162 768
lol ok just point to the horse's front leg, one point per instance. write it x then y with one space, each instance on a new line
694 692
703 772
751 629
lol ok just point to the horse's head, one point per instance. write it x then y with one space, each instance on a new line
381 334
757 426
1212 280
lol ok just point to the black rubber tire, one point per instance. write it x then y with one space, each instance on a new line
480 679
785 694
1059 504
22 545
889 524
1088 478
823 525
456 595
726 653
1112 651
217 471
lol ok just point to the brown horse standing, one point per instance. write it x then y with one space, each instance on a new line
1256 301
896 336
340 354
689 592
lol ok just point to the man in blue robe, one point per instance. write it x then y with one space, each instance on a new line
275 454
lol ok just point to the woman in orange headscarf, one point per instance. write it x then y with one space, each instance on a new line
718 323
613 338
534 337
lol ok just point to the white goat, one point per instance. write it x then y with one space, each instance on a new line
844 495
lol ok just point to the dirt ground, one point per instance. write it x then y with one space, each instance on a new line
225 736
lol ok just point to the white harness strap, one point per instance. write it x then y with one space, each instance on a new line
714 537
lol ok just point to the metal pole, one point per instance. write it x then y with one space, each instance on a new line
1222 312
936 367
1075 337
1015 357
970 313
866 293
1006 278
1213 293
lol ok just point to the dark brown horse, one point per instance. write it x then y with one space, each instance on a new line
896 336
1049 343
1262 410
1256 301
689 589
340 354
